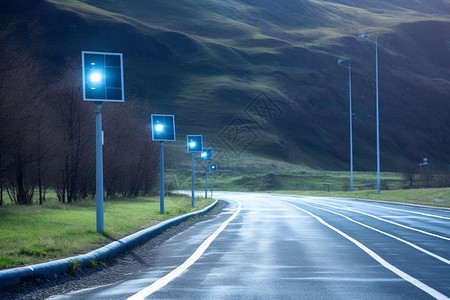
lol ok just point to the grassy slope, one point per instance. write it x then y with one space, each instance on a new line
250 40
217 56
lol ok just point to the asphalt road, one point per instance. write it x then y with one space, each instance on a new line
290 247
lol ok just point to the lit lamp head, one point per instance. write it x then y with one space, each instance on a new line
159 127
163 128
194 143
95 77
206 154
102 76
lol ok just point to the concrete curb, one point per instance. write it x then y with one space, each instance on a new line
15 276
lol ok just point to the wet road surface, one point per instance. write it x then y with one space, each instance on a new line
266 246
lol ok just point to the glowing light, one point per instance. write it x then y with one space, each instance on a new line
192 144
95 77
204 154
159 127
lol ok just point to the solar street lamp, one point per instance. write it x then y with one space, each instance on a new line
365 36
163 129
212 167
194 145
206 155
102 75
349 67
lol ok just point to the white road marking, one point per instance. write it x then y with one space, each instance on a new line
397 209
429 290
385 233
387 221
189 262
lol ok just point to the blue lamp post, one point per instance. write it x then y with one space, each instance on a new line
212 167
194 145
349 67
206 155
163 129
102 75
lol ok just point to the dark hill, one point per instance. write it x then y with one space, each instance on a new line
260 77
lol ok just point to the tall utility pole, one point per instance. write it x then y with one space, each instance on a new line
349 67
378 119
377 105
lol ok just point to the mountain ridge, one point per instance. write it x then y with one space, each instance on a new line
218 56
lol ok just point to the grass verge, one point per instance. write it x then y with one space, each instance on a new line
34 234
439 197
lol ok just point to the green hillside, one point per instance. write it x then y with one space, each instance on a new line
259 79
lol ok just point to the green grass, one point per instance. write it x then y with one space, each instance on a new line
315 183
281 176
33 234
439 197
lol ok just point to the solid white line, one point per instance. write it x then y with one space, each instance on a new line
387 221
444 260
189 262
429 290
391 208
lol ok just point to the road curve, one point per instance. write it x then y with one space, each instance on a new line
266 246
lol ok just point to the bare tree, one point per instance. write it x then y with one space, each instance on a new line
409 173
47 139
72 118
22 92
131 162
